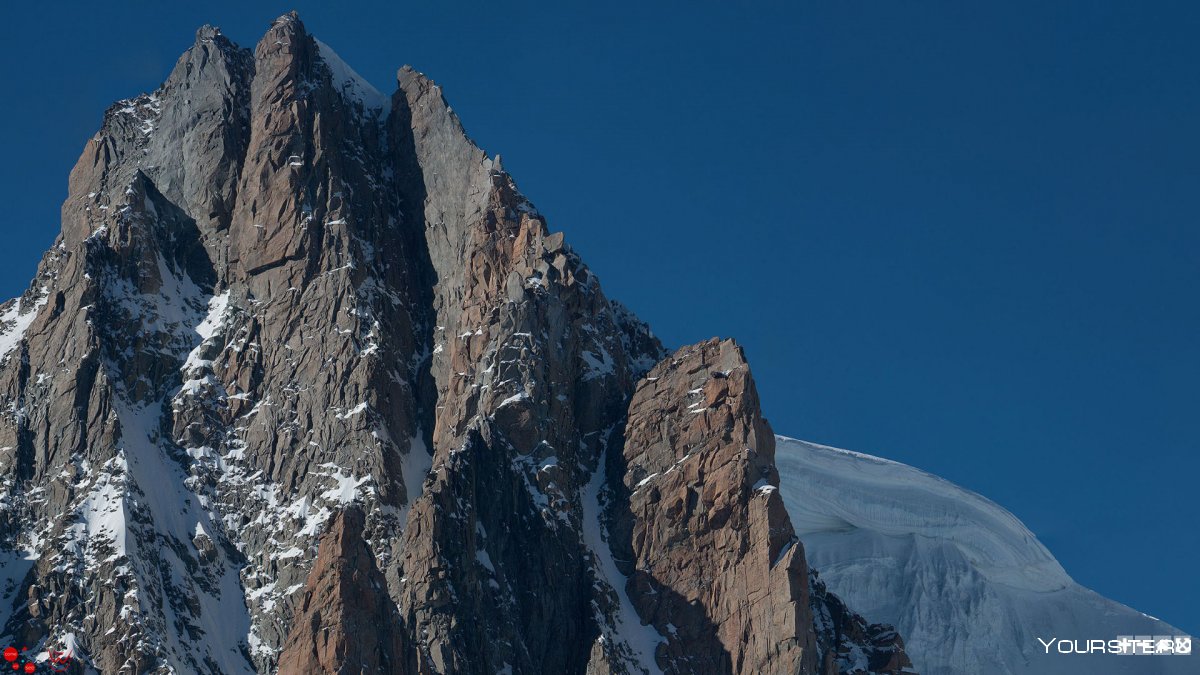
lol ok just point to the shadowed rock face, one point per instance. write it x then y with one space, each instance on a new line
307 385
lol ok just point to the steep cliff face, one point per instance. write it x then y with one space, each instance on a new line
713 561
345 623
304 361
716 566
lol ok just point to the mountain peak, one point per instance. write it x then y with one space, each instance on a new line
291 17
299 360
352 85
285 41
207 33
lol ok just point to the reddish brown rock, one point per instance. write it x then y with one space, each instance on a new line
345 623
532 367
715 564
275 296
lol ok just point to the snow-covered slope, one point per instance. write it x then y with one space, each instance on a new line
352 85
966 583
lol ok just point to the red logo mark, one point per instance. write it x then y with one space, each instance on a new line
60 662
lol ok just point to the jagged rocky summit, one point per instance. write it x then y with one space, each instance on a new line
305 385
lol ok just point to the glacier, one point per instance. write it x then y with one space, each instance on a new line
969 587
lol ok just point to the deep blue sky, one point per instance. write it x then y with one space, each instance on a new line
964 238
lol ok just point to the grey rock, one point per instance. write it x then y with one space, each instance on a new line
302 351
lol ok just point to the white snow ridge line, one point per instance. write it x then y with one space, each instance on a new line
351 84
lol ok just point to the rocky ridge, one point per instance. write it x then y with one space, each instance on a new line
303 359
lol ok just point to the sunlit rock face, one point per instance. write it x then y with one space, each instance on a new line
307 385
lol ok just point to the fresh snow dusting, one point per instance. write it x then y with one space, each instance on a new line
347 486
600 365
177 512
16 320
351 84
356 410
102 516
515 398
640 639
967 585
485 560
200 611
207 328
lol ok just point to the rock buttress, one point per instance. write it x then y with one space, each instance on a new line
713 562
345 623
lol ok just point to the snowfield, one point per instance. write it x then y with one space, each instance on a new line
353 85
969 587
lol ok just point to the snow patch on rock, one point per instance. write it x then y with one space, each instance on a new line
352 85
633 639
16 320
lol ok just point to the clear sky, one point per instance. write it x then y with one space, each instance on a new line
964 238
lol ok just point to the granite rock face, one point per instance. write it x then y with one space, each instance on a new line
713 561
346 623
306 385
